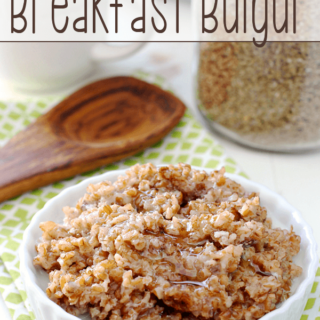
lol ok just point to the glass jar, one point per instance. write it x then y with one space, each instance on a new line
267 98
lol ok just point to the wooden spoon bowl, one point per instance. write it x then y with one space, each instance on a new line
101 123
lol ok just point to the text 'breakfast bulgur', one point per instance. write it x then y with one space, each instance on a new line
168 243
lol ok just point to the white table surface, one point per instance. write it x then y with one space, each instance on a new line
295 176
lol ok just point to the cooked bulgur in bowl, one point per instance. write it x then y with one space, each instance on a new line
168 242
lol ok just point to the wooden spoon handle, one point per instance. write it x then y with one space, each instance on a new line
23 158
27 162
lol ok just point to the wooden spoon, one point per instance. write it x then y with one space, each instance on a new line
101 123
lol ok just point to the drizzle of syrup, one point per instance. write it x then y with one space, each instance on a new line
159 256
196 283
259 271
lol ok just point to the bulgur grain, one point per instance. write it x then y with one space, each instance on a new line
168 243
268 96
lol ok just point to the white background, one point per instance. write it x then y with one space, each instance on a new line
294 176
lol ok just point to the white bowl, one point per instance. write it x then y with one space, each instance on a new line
282 213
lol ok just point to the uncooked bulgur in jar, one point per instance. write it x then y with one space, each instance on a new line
264 97
168 243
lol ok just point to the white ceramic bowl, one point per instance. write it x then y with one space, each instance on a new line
281 212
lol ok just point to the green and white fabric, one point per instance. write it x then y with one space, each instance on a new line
188 142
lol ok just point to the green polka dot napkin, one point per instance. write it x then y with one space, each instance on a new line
188 142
